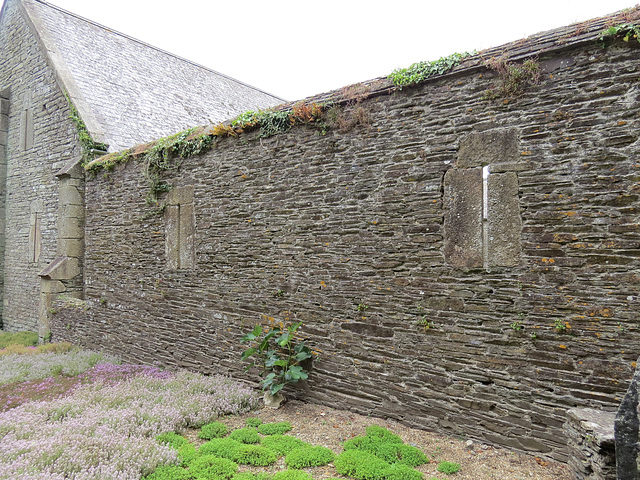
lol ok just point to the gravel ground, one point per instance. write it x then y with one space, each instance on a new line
325 426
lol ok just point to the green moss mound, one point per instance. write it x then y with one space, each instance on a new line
364 465
360 464
292 475
220 447
400 453
251 476
245 435
399 471
254 455
213 430
448 467
187 453
253 422
309 457
169 473
211 467
283 444
365 443
375 431
172 439
274 428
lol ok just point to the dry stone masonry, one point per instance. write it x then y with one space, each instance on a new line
510 224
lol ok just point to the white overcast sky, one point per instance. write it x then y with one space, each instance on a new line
297 48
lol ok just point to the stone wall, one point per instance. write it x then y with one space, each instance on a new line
40 141
364 234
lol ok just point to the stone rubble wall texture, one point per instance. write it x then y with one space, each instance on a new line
358 217
31 229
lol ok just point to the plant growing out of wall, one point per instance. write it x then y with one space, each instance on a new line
272 122
515 79
353 113
279 354
561 326
420 71
425 323
624 31
89 146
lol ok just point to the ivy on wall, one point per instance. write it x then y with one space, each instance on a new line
89 146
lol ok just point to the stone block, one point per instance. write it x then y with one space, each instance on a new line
70 247
51 286
69 195
180 195
70 228
463 245
503 220
368 329
492 146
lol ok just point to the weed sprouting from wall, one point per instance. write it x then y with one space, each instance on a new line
515 79
353 113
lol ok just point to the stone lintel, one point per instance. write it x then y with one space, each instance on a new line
180 195
492 146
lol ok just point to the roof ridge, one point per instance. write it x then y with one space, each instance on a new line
148 45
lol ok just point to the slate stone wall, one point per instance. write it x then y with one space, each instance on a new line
305 227
40 140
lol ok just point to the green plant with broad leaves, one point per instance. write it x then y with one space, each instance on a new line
279 353
625 31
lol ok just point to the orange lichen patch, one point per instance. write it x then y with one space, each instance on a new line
564 237
600 312
562 346
622 122
548 260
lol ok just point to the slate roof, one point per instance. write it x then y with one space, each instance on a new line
129 92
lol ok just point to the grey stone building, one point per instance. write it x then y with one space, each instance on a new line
69 85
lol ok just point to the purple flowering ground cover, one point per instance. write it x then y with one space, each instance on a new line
100 423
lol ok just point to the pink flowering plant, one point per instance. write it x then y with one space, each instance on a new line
104 427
